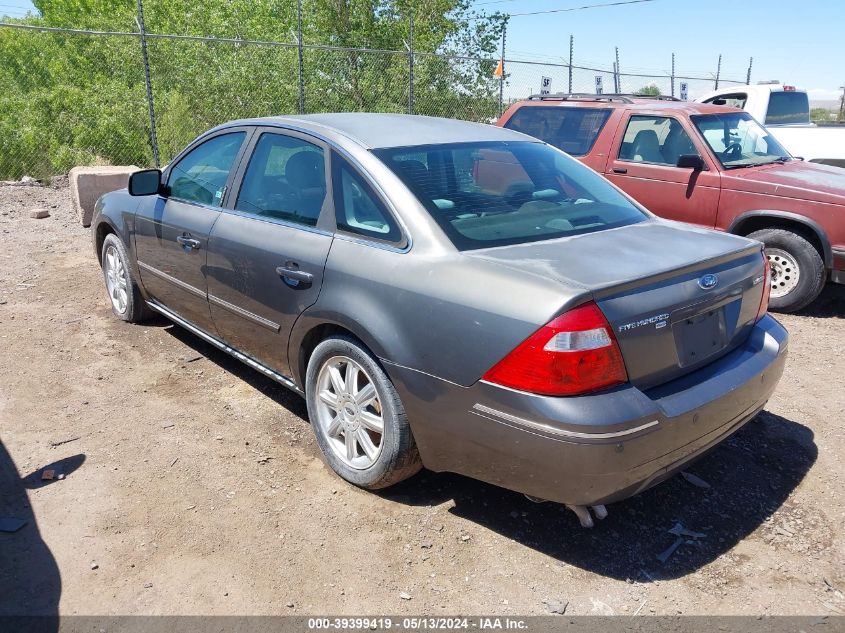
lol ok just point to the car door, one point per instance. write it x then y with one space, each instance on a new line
171 233
644 164
269 247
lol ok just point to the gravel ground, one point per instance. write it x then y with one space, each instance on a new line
194 486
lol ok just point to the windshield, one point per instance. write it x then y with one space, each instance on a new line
738 140
497 193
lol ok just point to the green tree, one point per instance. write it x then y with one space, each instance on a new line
78 99
648 91
821 114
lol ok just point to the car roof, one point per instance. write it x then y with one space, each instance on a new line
630 103
385 130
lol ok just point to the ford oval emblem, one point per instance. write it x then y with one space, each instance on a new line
708 282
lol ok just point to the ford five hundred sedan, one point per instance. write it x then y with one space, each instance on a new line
451 295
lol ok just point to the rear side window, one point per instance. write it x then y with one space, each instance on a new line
573 130
498 193
358 209
737 100
788 108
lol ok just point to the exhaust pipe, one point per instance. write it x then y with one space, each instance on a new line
582 512
584 516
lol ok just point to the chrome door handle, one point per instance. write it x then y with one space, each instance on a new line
188 242
293 276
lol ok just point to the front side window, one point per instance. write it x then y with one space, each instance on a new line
738 140
358 209
285 180
788 108
574 130
656 140
201 175
498 193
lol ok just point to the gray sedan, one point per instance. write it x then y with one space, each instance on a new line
451 295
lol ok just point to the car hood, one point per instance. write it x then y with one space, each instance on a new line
795 179
618 257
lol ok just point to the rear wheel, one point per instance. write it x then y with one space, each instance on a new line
124 293
357 416
797 269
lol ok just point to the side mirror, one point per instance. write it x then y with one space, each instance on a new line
145 182
690 161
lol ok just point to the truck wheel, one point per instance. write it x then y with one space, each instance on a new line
357 416
798 273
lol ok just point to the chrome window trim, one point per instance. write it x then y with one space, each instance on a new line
360 168
276 221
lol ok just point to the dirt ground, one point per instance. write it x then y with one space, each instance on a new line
194 486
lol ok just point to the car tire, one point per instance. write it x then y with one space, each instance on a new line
798 272
127 303
342 415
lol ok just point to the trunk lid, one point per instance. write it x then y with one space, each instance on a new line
676 296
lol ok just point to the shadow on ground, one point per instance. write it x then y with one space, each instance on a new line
267 386
29 576
751 475
829 304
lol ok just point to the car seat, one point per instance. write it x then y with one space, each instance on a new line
646 147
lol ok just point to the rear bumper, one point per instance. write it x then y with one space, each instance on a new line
590 449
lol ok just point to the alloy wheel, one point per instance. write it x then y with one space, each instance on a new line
117 282
349 411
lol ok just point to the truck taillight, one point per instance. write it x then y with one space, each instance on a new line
789 88
573 354
767 288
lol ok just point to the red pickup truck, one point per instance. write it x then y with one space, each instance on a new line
708 165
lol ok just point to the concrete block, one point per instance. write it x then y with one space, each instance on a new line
89 183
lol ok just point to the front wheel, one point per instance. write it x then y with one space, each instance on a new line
124 293
798 272
357 416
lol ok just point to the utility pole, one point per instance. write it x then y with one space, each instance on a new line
617 74
571 49
411 63
139 20
673 74
718 71
748 74
842 104
502 77
300 58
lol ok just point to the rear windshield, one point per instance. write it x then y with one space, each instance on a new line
497 193
574 130
788 108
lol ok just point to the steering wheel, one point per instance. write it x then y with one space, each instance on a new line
733 151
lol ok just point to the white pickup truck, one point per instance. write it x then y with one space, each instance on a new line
785 111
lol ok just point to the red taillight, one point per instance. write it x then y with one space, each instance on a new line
789 88
767 288
573 354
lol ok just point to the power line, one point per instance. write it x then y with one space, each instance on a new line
581 8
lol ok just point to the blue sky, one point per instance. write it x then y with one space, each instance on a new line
798 43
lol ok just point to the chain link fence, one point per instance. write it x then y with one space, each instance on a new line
73 97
